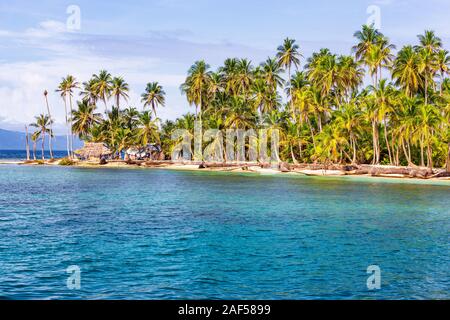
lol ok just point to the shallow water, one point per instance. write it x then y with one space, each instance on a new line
156 234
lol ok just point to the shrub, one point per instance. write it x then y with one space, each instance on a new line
66 162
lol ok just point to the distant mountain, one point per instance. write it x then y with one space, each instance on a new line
12 140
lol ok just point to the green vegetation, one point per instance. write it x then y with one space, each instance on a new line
66 162
329 115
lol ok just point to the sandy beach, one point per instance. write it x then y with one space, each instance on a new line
388 172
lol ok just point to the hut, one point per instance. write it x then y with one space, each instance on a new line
149 152
93 151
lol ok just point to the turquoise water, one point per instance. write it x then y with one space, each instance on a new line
155 234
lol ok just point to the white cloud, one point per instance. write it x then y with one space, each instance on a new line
22 85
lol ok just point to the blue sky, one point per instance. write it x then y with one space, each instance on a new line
158 40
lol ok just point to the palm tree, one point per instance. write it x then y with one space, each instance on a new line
103 86
153 96
367 38
84 119
43 123
270 72
243 78
406 71
427 66
119 89
49 115
288 55
196 84
147 129
429 47
89 93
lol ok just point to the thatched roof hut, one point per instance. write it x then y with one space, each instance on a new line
93 151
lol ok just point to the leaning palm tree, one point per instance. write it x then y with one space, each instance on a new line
43 123
49 115
103 86
429 41
288 55
153 96
119 89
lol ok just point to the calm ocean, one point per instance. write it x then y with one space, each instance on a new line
156 234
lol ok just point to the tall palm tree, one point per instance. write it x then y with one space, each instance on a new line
42 124
382 105
153 96
119 89
429 41
288 55
66 88
51 130
196 84
103 86
428 121
367 38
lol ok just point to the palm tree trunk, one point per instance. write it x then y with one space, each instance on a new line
422 158
312 134
294 160
319 121
429 156
407 156
71 132
43 144
301 151
67 124
27 143
106 106
426 89
353 142
290 91
34 150
448 158
51 130
374 141
387 141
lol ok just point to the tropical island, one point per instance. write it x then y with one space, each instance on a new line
330 123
